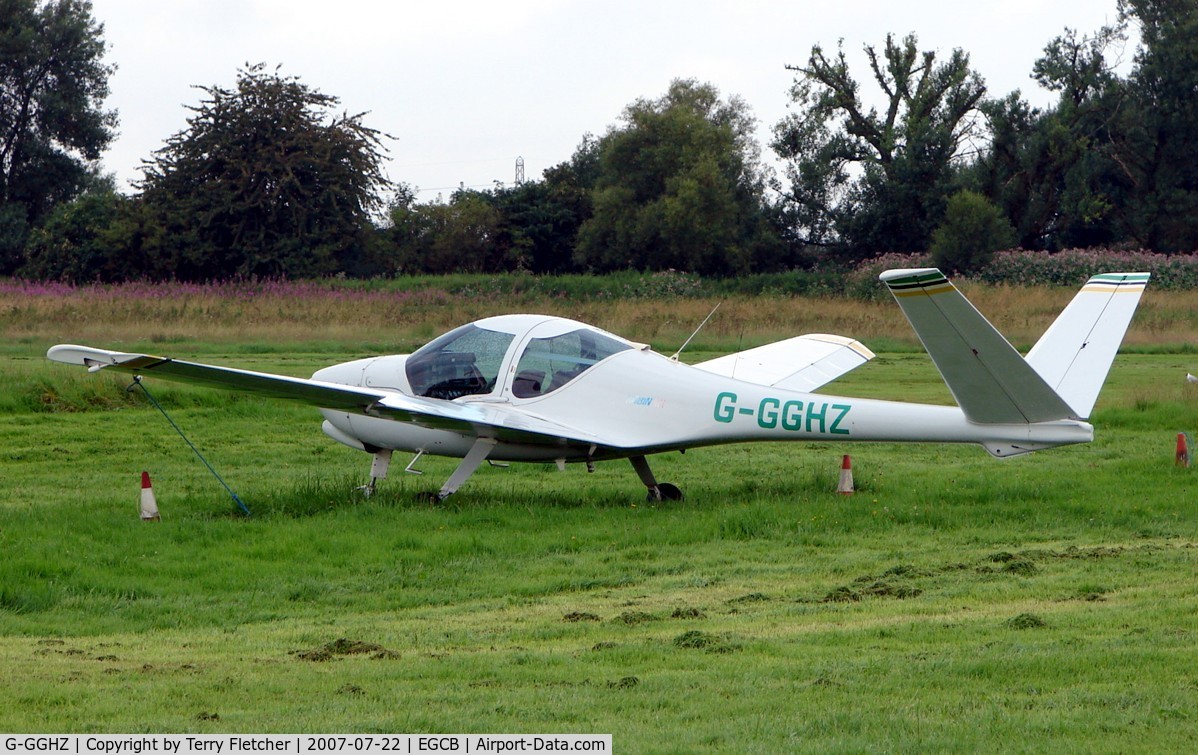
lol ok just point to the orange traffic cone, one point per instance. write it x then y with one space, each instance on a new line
846 477
1183 451
149 506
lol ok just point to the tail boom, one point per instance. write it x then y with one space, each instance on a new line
903 422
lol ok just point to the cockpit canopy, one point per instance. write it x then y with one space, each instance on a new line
540 355
462 362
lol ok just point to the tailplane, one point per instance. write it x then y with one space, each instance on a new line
991 382
803 363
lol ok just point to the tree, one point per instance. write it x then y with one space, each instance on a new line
679 186
544 217
1116 160
404 234
531 226
1051 171
52 124
535 230
862 181
1156 146
461 236
263 182
94 237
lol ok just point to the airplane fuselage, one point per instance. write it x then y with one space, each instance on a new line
673 406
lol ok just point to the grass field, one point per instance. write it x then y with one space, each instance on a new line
956 602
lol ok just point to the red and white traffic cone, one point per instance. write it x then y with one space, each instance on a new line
1183 451
149 506
846 477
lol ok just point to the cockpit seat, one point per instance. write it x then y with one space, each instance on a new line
528 383
561 377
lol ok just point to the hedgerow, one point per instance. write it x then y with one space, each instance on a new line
1016 268
1072 267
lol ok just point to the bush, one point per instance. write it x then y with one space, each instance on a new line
973 229
862 281
1072 267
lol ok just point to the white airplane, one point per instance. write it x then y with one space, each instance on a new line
539 388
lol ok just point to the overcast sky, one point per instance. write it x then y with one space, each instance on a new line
467 86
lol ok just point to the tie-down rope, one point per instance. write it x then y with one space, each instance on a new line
137 381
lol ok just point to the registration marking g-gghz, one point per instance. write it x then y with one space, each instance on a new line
790 414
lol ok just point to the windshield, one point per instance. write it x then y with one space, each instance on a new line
463 362
549 363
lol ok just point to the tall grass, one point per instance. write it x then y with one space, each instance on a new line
399 315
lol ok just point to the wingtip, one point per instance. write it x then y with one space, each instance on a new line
86 356
67 353
1118 282
915 275
916 281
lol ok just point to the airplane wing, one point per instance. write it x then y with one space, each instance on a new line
313 392
484 420
803 363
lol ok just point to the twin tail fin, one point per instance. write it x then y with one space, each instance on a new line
993 384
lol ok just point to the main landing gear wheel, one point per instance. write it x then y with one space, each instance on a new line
657 491
666 491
